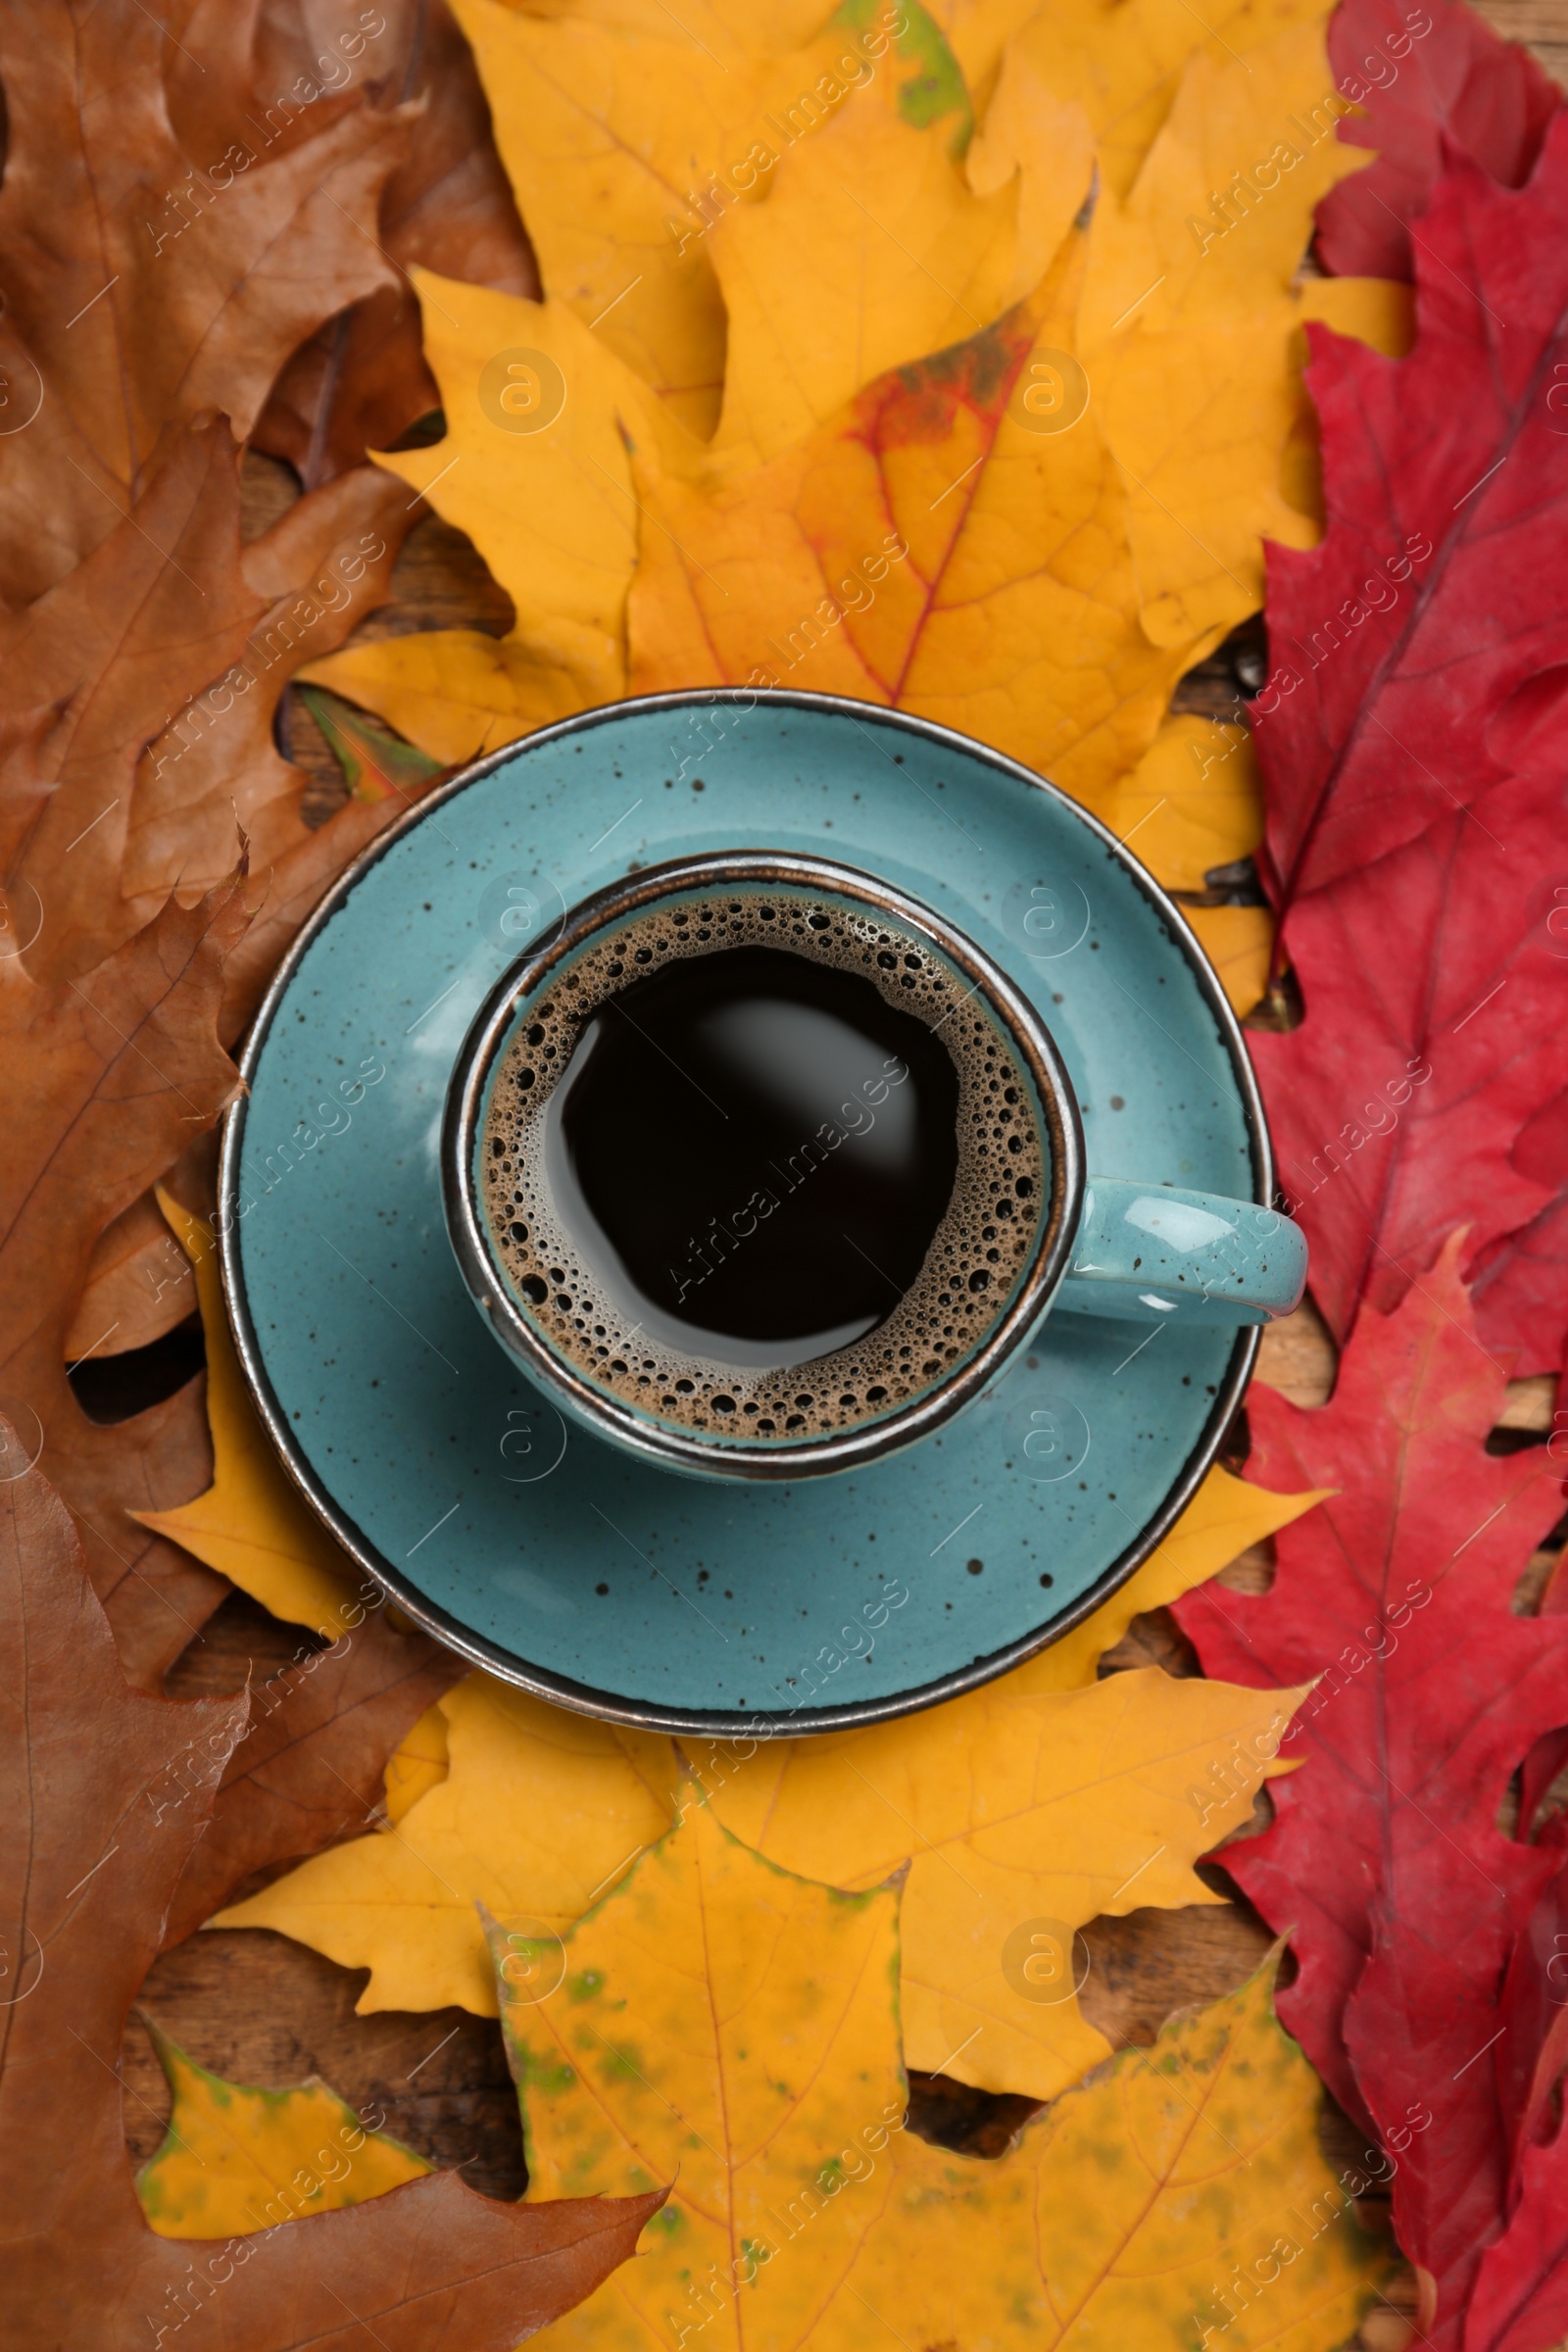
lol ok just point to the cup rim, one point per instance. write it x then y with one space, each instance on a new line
738 1458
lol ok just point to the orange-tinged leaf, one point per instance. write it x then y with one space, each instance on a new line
252 1524
873 248
930 550
732 2027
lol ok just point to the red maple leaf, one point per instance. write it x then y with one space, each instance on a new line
1408 648
1422 76
1435 1001
1404 1901
1521 1283
1520 2298
1411 734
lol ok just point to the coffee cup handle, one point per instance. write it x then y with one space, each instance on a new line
1148 1253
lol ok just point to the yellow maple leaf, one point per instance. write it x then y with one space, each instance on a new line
1061 549
498 1798
1017 1813
1238 942
1188 321
536 1813
731 2028
1010 1806
977 32
252 1525
237 2160
1183 2189
535 468
1122 64
1375 310
1194 802
628 132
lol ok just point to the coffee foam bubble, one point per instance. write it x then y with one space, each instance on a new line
979 1251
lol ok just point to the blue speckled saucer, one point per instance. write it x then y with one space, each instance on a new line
554 1560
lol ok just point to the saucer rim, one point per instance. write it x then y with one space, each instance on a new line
560 1690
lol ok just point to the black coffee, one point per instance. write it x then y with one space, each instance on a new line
765 1145
760 1164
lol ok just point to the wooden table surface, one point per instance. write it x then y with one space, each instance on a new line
259 2009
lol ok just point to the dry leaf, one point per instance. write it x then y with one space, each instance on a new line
138 1286
106 1791
176 217
731 2026
93 672
360 381
139 699
309 1769
110 1077
237 2160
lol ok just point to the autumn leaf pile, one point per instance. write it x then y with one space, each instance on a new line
963 359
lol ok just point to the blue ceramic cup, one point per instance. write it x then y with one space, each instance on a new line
1141 1251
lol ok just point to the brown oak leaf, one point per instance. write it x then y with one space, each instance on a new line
181 210
106 1790
109 1076
309 1769
137 701
361 380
